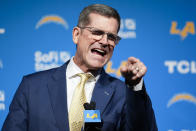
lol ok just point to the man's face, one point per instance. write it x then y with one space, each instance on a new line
92 53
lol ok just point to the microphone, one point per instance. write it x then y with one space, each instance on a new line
92 117
90 106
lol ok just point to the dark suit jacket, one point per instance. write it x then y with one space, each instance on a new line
40 104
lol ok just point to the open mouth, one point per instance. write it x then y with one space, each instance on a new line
98 52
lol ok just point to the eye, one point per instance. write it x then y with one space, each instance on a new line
97 32
111 37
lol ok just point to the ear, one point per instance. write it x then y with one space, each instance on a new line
75 34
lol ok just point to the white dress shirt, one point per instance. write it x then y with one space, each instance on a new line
73 80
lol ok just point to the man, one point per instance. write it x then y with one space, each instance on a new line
43 101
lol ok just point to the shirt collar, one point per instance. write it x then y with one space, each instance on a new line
73 70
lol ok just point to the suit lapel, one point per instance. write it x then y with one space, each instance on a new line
58 97
102 92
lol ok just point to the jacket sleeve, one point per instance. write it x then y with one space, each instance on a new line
138 112
18 112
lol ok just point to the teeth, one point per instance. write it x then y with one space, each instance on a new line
100 50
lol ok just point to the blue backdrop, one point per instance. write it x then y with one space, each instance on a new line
37 35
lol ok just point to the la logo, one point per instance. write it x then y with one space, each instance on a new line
189 28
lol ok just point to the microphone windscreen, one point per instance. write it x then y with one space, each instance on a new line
87 106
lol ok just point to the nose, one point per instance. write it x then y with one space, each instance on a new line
104 39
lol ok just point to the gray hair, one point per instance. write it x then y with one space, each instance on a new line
100 9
